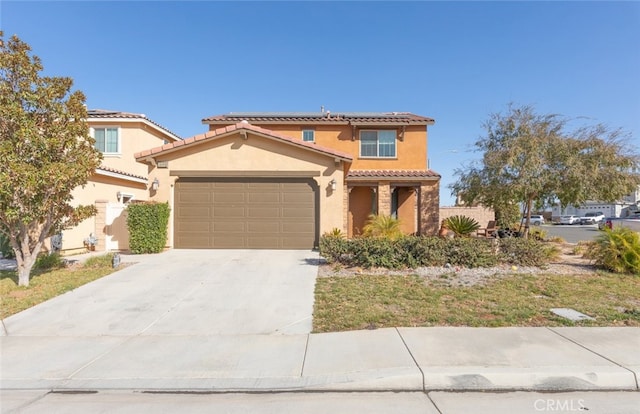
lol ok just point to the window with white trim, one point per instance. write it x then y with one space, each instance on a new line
308 135
378 144
107 139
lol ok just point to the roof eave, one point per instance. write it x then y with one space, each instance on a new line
120 120
113 174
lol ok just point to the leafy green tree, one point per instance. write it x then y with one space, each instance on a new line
533 160
45 152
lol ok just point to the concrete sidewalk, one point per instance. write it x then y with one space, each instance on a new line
104 337
403 359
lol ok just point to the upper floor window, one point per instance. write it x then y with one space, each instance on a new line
308 135
381 144
107 140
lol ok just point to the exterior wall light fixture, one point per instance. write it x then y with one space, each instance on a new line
333 184
155 184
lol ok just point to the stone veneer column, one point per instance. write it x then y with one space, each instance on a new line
384 199
429 208
100 224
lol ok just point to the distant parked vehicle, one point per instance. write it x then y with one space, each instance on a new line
592 217
569 219
536 220
632 222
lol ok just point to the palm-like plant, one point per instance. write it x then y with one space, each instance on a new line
617 250
461 226
382 226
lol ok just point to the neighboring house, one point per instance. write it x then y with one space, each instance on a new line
280 180
629 204
119 180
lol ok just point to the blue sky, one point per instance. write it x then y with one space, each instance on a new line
457 62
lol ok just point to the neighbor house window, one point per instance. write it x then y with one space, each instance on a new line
308 135
381 144
107 140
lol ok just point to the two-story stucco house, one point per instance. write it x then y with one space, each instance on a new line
280 180
119 180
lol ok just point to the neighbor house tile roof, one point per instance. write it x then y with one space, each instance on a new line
242 126
399 174
106 114
353 118
119 172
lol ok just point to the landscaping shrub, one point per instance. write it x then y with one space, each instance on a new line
373 252
46 261
617 250
461 226
424 251
408 252
333 247
102 261
469 252
5 247
147 223
526 252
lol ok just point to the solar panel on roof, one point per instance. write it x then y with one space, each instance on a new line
318 114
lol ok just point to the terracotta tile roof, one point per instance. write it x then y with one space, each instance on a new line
113 170
103 113
225 131
399 174
354 118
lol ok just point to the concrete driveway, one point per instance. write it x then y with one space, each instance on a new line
185 292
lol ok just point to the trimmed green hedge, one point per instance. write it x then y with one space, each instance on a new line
147 223
415 251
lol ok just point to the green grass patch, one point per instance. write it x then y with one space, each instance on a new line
370 302
46 284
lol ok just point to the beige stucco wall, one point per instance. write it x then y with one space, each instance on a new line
411 147
99 188
134 137
258 154
480 214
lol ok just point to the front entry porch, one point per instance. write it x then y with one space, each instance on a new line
414 203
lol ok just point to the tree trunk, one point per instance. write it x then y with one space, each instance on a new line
25 261
23 274
527 221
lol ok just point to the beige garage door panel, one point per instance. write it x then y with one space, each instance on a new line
245 213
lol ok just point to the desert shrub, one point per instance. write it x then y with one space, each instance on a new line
537 234
5 247
46 261
526 252
424 251
617 250
419 251
333 247
382 226
461 226
147 224
469 252
104 260
377 252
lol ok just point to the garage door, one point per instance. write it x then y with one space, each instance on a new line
245 213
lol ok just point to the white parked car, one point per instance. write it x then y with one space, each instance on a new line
536 220
592 217
569 219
